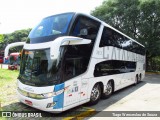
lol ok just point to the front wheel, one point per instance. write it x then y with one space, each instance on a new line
95 94
108 90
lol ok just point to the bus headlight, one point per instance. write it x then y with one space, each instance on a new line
48 95
51 94
40 96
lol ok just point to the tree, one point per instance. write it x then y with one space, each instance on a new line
17 36
138 19
1 38
121 14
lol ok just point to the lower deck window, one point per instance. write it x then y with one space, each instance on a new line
112 67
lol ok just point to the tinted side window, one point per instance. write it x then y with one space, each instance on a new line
115 39
76 59
126 43
107 38
110 38
85 27
136 48
112 67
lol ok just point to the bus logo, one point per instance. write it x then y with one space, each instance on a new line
6 114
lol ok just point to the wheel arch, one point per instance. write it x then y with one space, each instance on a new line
102 85
137 75
113 85
140 75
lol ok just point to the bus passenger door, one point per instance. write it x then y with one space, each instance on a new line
72 90
84 90
72 83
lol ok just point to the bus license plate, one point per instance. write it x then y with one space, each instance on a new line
28 102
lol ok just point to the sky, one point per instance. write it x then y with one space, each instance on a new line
23 14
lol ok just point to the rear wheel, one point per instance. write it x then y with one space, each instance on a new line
108 90
136 80
95 94
139 78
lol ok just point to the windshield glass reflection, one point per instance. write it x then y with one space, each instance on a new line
38 69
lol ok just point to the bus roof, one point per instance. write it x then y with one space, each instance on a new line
15 54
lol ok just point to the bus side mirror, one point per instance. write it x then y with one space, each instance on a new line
76 41
83 32
66 40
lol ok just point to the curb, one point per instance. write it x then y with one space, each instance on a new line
157 73
88 112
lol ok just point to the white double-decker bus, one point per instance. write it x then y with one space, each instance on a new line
72 58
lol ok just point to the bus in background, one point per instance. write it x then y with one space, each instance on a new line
14 61
1 56
73 58
1 59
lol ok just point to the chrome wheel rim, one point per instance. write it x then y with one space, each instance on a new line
108 89
136 80
95 93
140 78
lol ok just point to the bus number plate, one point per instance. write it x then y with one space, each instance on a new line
28 102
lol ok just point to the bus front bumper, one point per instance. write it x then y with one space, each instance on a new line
41 104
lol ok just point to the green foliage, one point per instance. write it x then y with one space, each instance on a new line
1 38
17 36
121 14
139 19
150 27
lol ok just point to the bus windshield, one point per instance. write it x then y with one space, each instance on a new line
53 25
37 69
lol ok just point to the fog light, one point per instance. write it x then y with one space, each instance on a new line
51 104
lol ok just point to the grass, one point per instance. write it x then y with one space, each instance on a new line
8 96
7 86
7 76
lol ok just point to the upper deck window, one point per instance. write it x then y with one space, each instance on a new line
112 38
85 27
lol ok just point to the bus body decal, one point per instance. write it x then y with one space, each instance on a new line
59 99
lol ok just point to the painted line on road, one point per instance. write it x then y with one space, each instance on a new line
87 113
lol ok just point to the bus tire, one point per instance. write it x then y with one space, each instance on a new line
95 94
136 80
108 90
140 77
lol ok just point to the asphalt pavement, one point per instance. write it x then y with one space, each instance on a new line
142 98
